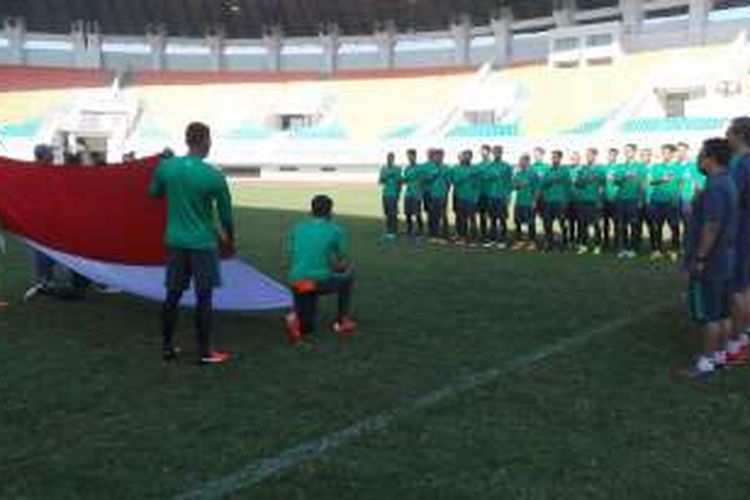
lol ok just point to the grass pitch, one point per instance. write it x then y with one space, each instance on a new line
89 410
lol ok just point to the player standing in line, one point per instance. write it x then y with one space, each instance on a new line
391 180
500 198
631 181
573 220
526 186
413 178
645 156
609 211
539 167
486 175
556 188
665 181
437 186
465 179
589 186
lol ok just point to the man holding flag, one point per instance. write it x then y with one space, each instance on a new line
194 190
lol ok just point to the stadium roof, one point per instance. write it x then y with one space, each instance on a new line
247 18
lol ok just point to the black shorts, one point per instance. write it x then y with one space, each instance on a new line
390 205
184 266
412 205
708 301
499 207
483 204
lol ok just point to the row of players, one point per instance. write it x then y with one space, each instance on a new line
591 204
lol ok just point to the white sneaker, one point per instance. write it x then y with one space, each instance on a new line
702 368
33 292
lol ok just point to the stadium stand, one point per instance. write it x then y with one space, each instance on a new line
428 91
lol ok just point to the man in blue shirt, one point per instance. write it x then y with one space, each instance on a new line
710 255
738 136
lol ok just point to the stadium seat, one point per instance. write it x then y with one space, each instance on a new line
487 130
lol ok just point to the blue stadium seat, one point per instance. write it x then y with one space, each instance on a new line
673 124
402 132
249 132
588 127
486 130
25 129
333 131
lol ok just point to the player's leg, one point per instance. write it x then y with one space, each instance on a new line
409 214
204 321
549 226
563 221
494 208
674 228
418 209
207 276
436 216
502 219
484 217
705 306
472 222
445 222
597 225
458 208
342 285
178 275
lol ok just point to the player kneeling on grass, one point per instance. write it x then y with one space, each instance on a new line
317 253
710 253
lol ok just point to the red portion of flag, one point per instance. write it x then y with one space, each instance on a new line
101 213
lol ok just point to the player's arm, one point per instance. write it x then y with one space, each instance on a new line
224 208
716 212
340 260
157 187
383 177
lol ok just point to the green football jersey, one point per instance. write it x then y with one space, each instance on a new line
486 174
631 179
609 172
413 178
526 185
312 246
437 180
665 180
466 180
497 180
391 180
692 180
196 191
589 184
557 185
